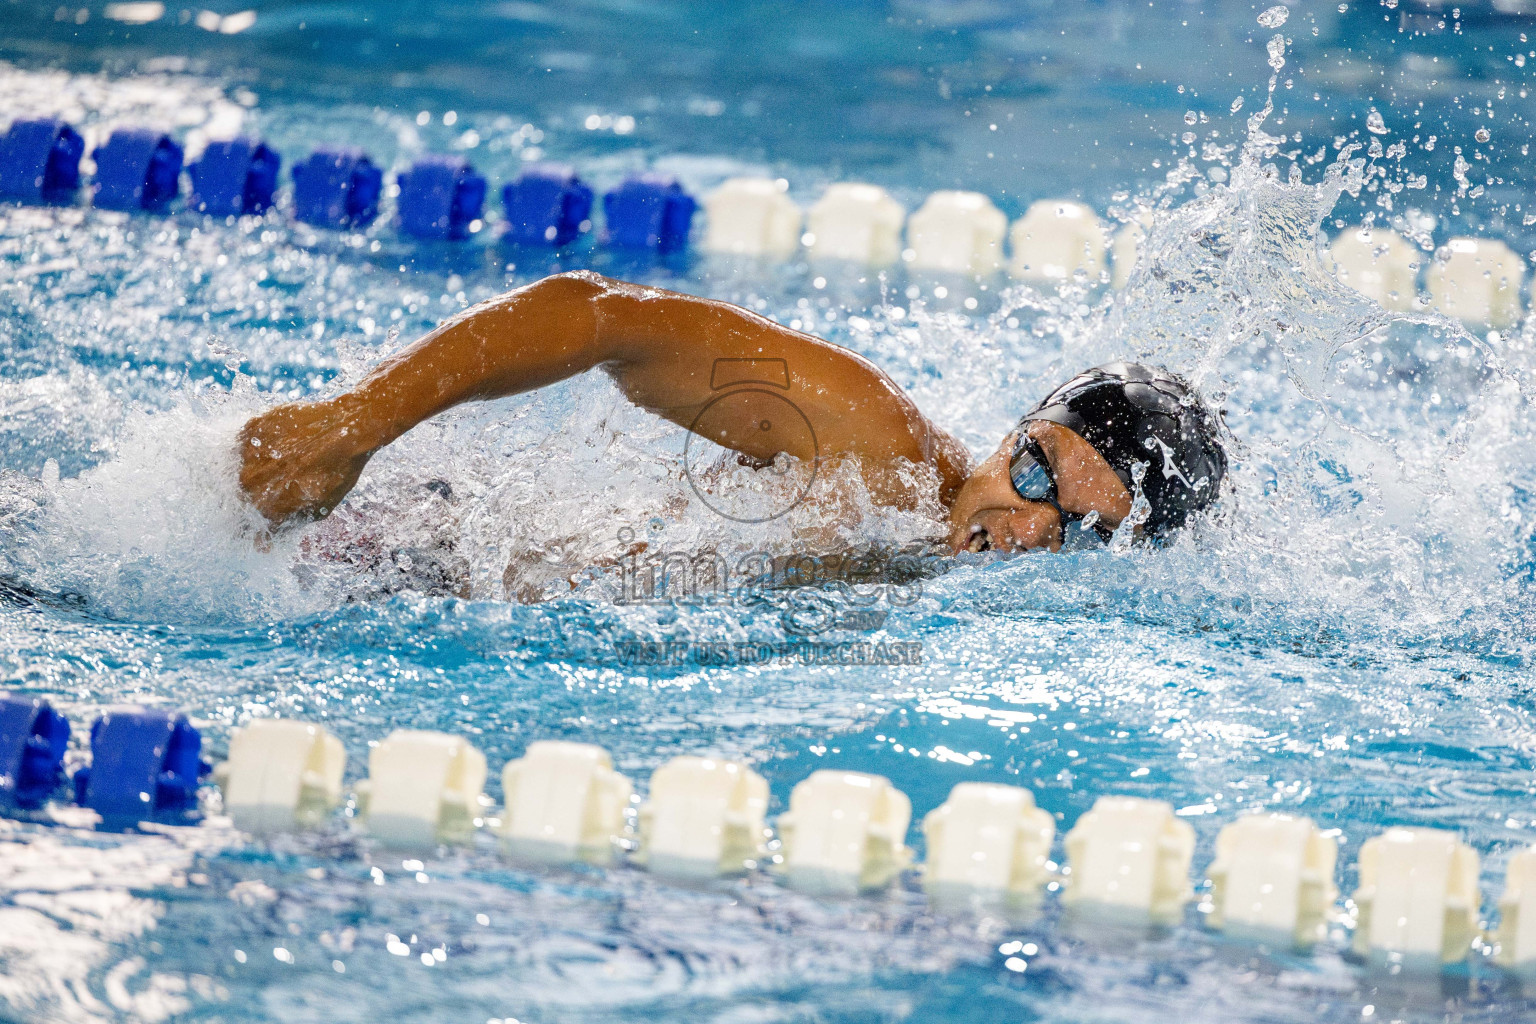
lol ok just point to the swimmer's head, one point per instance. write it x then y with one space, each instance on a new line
1078 455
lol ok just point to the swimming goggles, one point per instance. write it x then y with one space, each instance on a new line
1032 479
1029 471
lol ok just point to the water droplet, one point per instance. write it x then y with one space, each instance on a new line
1483 135
1188 137
1375 123
1190 117
1275 16
1277 52
1237 105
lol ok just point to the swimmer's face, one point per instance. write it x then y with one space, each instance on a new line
989 515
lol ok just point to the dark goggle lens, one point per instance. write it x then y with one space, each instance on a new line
1031 479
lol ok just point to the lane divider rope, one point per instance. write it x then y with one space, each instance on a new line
1128 859
442 198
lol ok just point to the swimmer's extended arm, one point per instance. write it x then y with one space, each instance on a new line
670 353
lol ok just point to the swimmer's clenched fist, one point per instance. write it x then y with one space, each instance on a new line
1075 456
298 461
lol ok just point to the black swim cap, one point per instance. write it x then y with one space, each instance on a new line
1131 413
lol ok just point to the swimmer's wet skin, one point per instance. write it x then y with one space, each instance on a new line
1075 457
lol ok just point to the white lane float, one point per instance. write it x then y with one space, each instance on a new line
1129 860
423 788
705 817
1272 880
1477 280
987 838
1516 936
564 802
1055 240
855 222
957 232
845 832
1125 250
752 217
281 776
1380 264
1418 896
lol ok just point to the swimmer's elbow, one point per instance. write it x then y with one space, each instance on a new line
589 279
600 309
574 286
560 316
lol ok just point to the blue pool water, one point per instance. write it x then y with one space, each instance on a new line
1350 639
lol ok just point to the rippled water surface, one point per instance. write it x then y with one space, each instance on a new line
1349 638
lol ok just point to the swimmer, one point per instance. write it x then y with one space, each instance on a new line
1077 457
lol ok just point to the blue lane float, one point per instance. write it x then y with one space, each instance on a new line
440 197
234 177
40 161
337 188
649 211
547 205
136 169
145 766
33 737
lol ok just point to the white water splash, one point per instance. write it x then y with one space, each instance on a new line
1275 16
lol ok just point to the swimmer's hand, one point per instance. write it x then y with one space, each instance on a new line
298 461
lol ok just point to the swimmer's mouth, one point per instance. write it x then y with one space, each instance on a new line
980 540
